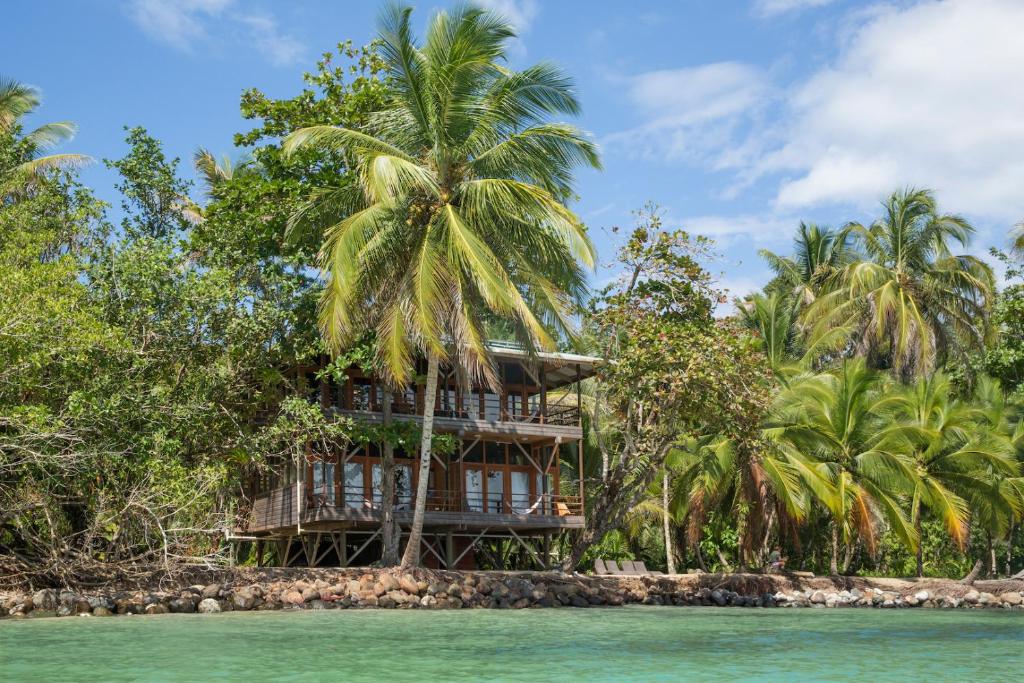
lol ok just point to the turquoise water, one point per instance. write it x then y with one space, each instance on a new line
626 644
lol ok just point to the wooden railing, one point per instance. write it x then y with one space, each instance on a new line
355 498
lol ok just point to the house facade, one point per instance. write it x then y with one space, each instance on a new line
508 489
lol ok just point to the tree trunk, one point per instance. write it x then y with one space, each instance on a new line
411 557
833 562
390 534
991 555
915 512
973 574
1009 552
670 559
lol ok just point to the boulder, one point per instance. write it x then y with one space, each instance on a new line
972 597
244 598
208 606
389 583
1011 598
922 595
211 591
101 612
293 598
818 598
310 594
155 608
45 599
182 605
409 584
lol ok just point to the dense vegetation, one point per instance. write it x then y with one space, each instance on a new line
862 411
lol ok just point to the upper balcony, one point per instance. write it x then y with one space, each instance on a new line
539 397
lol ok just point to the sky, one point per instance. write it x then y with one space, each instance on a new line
739 118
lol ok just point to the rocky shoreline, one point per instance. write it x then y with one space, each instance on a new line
277 589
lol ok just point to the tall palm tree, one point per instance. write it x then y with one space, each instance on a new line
819 256
458 210
773 316
708 474
23 162
954 455
912 301
215 172
838 432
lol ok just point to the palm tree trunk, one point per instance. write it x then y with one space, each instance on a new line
411 557
667 526
973 574
390 534
1009 552
915 513
833 562
991 555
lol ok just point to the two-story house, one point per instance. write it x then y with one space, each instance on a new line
505 479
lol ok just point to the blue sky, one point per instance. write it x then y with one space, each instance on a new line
738 117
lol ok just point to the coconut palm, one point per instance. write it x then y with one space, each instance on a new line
954 455
457 210
837 430
24 164
773 316
708 474
912 301
819 256
215 172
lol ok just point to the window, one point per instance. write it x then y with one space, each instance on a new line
353 485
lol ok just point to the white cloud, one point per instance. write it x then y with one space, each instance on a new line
519 13
188 24
930 96
690 111
768 8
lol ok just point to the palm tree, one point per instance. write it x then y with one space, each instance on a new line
773 316
457 211
215 172
819 256
911 301
953 452
708 474
25 164
836 428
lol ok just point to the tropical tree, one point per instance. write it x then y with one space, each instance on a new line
22 161
458 210
774 317
955 457
819 256
911 302
838 432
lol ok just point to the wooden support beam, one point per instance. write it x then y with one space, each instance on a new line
366 543
449 550
469 546
531 551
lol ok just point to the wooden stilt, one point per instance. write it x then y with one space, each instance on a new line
449 550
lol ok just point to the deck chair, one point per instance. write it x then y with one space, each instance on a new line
599 568
629 568
613 568
642 568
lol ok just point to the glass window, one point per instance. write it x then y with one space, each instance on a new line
495 453
544 484
354 494
323 481
475 453
496 491
519 495
474 490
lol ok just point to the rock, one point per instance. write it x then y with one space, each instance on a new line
818 598
911 600
577 601
155 608
101 612
211 591
408 584
45 599
182 606
1011 598
428 601
244 599
310 594
718 598
102 601
986 599
293 598
972 596
922 596
389 582
208 606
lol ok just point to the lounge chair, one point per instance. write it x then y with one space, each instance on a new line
599 568
613 568
629 568
641 567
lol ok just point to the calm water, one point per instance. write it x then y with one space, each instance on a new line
628 644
